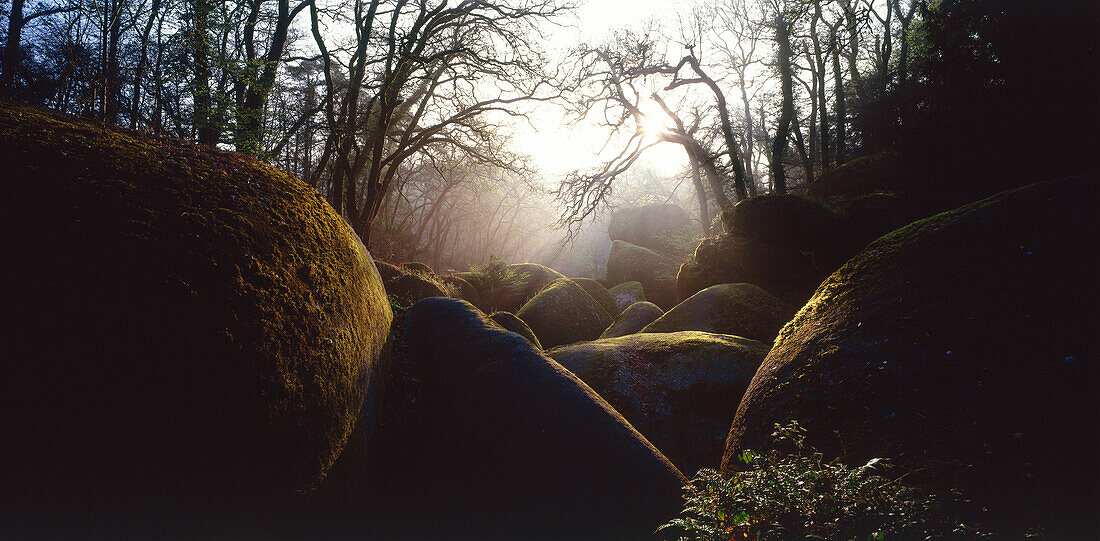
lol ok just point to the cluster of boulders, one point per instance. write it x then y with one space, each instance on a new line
204 348
647 245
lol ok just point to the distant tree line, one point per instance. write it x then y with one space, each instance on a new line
396 110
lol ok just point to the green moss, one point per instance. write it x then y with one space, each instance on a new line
679 389
563 313
600 294
267 280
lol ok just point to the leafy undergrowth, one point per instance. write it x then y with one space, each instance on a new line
495 280
801 496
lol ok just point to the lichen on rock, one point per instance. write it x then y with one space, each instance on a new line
678 389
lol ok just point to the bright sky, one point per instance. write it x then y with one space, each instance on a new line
558 148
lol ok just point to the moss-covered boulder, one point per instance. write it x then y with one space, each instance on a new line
504 443
534 277
626 259
564 313
963 347
195 333
414 287
728 259
736 309
600 294
633 319
631 263
664 228
389 272
680 389
626 294
510 322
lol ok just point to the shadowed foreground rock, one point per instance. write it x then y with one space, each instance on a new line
963 346
680 389
195 332
506 444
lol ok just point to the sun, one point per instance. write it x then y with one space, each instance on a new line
654 121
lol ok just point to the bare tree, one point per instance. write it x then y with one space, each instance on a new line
421 75
613 81
257 77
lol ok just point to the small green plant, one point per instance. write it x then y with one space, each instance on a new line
800 496
494 280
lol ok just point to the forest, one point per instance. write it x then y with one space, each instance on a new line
550 269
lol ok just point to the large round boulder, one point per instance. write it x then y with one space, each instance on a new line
664 228
633 319
680 389
963 346
195 334
631 263
728 259
504 443
600 294
564 313
626 294
736 309
882 172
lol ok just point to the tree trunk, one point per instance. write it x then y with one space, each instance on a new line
852 53
11 47
841 109
204 120
807 163
249 135
143 61
113 34
819 76
700 195
786 113
750 171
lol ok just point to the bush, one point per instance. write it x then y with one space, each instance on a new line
799 495
494 280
